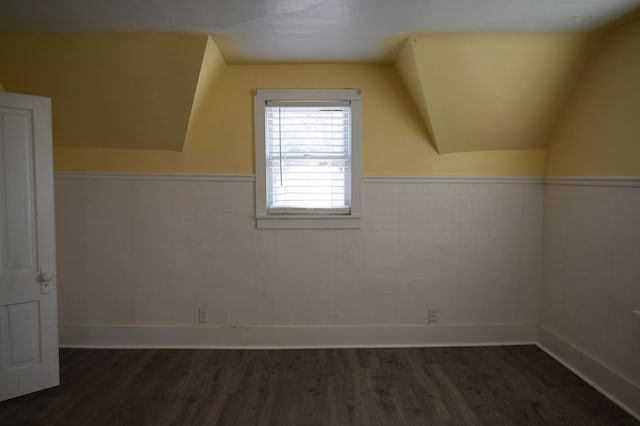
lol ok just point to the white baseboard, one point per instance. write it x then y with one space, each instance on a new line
610 384
280 337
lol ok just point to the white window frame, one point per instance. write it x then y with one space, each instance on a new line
270 220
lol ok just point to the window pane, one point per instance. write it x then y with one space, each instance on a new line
308 157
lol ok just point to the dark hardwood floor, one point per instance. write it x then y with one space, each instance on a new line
517 385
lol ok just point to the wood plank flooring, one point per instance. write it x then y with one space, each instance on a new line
516 385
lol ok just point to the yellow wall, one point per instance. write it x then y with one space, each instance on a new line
600 133
492 91
108 90
406 65
489 101
212 65
221 136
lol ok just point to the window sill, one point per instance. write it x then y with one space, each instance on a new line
289 221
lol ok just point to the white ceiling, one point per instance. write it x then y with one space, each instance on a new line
310 30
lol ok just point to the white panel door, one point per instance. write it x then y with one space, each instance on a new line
28 302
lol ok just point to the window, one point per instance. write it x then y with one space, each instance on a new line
307 158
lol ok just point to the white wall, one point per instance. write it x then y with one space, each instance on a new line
136 252
137 257
591 272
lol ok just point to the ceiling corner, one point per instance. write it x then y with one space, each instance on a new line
410 74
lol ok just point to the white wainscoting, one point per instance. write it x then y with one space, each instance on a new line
614 386
591 281
142 253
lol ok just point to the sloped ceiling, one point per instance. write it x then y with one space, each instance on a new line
474 92
480 92
109 90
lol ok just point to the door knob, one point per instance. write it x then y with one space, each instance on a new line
46 276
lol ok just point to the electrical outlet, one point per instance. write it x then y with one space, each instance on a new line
202 316
432 315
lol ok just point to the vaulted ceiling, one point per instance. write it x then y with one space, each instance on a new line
311 30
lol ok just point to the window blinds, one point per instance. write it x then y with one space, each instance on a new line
308 150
